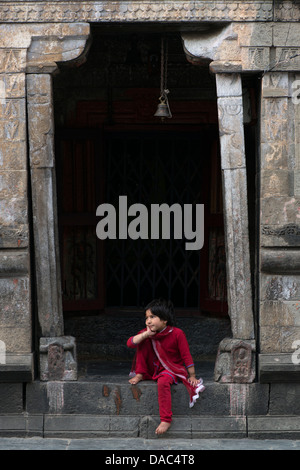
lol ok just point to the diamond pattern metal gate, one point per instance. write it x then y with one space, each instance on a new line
154 167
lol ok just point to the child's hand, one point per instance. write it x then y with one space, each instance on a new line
147 333
193 381
150 332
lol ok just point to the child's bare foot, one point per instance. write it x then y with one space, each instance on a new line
136 379
162 428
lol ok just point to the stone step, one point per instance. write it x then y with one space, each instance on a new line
72 426
103 389
101 403
143 426
109 397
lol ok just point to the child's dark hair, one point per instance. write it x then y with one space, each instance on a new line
163 309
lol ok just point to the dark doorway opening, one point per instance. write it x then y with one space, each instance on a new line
149 167
108 143
157 167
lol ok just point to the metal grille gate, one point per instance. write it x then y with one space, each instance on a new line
148 167
154 167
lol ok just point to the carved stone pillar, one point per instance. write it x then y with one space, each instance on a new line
233 164
235 360
42 169
57 352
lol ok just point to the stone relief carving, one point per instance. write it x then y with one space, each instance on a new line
235 361
136 11
287 230
58 358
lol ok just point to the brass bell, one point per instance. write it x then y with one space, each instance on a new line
163 109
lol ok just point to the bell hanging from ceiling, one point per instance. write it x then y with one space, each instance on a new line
163 108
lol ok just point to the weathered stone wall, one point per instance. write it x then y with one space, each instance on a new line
270 50
257 37
15 286
280 229
26 49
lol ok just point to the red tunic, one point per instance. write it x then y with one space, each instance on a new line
173 342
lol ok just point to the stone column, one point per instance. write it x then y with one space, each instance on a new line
45 231
235 360
57 352
42 169
236 356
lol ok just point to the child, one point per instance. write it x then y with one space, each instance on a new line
162 354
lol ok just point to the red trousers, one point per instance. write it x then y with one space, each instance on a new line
164 383
148 365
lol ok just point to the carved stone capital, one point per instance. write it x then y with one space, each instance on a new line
245 47
58 43
37 48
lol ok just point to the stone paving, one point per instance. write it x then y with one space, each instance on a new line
158 444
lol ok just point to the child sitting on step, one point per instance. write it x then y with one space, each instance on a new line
162 354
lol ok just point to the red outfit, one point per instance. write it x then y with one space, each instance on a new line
164 357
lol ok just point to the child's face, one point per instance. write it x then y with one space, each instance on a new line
154 323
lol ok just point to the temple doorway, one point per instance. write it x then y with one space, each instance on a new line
108 144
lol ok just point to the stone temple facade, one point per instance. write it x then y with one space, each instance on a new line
255 388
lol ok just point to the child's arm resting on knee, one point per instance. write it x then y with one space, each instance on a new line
137 339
